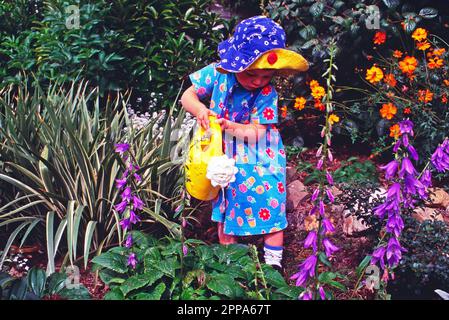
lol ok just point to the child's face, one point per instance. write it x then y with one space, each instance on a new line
254 79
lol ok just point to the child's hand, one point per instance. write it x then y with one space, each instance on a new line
203 117
224 124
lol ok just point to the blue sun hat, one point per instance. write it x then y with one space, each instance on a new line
258 43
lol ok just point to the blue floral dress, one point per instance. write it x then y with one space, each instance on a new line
255 202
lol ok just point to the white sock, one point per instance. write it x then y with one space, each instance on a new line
273 255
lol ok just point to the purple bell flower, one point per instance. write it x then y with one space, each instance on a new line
121 148
406 167
329 247
120 183
311 240
137 203
378 255
390 169
120 207
132 261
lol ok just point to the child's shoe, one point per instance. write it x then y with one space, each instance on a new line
273 256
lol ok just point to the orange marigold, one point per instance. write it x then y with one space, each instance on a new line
439 52
419 34
390 80
425 95
388 111
333 118
300 103
374 74
380 37
397 54
435 63
283 111
313 84
446 82
395 131
318 92
320 106
423 45
408 64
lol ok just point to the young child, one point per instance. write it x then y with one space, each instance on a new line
245 103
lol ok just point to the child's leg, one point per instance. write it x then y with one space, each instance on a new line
223 237
273 248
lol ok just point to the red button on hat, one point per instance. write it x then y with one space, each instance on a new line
272 58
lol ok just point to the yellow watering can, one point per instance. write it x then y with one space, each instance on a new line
204 146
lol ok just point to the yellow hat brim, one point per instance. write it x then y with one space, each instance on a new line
287 61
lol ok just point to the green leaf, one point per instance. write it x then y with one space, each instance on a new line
156 294
80 293
316 9
110 277
114 294
273 277
290 291
56 282
169 266
323 258
308 32
428 13
391 4
135 282
225 285
36 281
113 261
360 269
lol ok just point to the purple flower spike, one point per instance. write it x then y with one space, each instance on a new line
394 252
137 177
121 148
329 247
313 210
126 194
397 145
395 224
378 255
405 140
322 208
133 218
407 167
129 241
311 241
394 192
120 183
315 195
306 296
440 159
327 226
329 178
330 195
121 206
137 203
319 164
390 169
184 250
132 261
329 153
413 152
307 269
406 126
426 178
125 224
322 293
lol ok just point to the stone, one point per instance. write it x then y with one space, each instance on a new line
421 214
296 192
353 225
291 173
438 198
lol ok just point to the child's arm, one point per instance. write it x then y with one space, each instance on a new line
242 131
192 104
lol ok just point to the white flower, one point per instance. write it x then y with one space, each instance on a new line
221 171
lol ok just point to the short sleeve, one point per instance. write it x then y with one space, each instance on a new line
265 110
203 81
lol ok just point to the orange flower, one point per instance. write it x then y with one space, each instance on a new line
446 82
408 64
318 92
284 111
419 34
435 63
374 74
333 118
423 45
444 98
390 94
380 37
439 52
407 111
395 131
319 105
388 111
390 80
313 84
397 54
425 95
300 103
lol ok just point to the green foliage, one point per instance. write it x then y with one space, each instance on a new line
37 286
149 46
424 266
205 272
58 155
